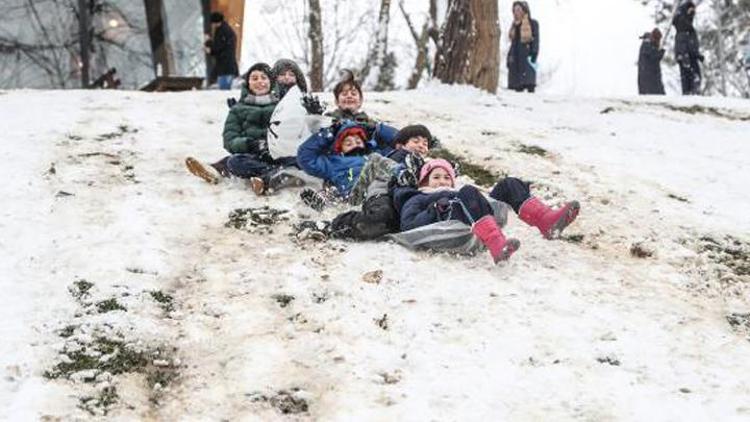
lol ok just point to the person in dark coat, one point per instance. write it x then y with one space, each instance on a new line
222 46
437 200
649 64
524 49
245 131
377 181
687 49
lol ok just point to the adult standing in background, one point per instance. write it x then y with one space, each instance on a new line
524 49
687 49
222 46
649 64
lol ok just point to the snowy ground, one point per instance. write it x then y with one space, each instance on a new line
260 323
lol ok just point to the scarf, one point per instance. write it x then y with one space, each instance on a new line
526 34
261 100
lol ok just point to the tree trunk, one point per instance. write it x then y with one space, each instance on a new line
421 63
316 45
161 49
469 46
377 58
85 41
484 65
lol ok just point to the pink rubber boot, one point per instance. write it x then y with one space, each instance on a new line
549 222
487 230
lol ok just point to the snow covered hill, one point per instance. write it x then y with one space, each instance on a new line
125 292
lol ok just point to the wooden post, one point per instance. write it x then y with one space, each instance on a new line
85 41
161 50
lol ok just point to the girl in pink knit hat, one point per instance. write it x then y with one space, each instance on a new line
437 200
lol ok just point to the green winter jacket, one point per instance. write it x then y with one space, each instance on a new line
247 125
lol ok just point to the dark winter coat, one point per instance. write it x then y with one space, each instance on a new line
521 72
649 69
246 127
222 47
686 45
418 209
316 157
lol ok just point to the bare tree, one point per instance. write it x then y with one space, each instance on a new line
40 42
377 71
339 33
422 62
468 51
316 46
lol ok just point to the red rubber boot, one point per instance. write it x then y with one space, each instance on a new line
549 222
488 232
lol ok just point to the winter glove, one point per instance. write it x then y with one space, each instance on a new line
443 206
231 102
312 104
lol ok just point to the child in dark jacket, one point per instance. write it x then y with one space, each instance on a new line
378 217
437 200
244 134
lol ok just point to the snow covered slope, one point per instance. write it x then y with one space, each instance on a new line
102 225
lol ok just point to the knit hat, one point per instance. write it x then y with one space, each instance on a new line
431 165
348 131
283 65
217 17
412 131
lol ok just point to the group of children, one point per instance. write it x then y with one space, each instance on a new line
382 171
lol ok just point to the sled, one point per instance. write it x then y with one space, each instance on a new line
450 236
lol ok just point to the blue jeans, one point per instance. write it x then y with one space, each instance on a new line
246 166
225 81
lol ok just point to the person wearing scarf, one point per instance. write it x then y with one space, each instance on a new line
244 134
524 49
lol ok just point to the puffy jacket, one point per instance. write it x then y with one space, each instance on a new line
246 127
417 208
316 157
